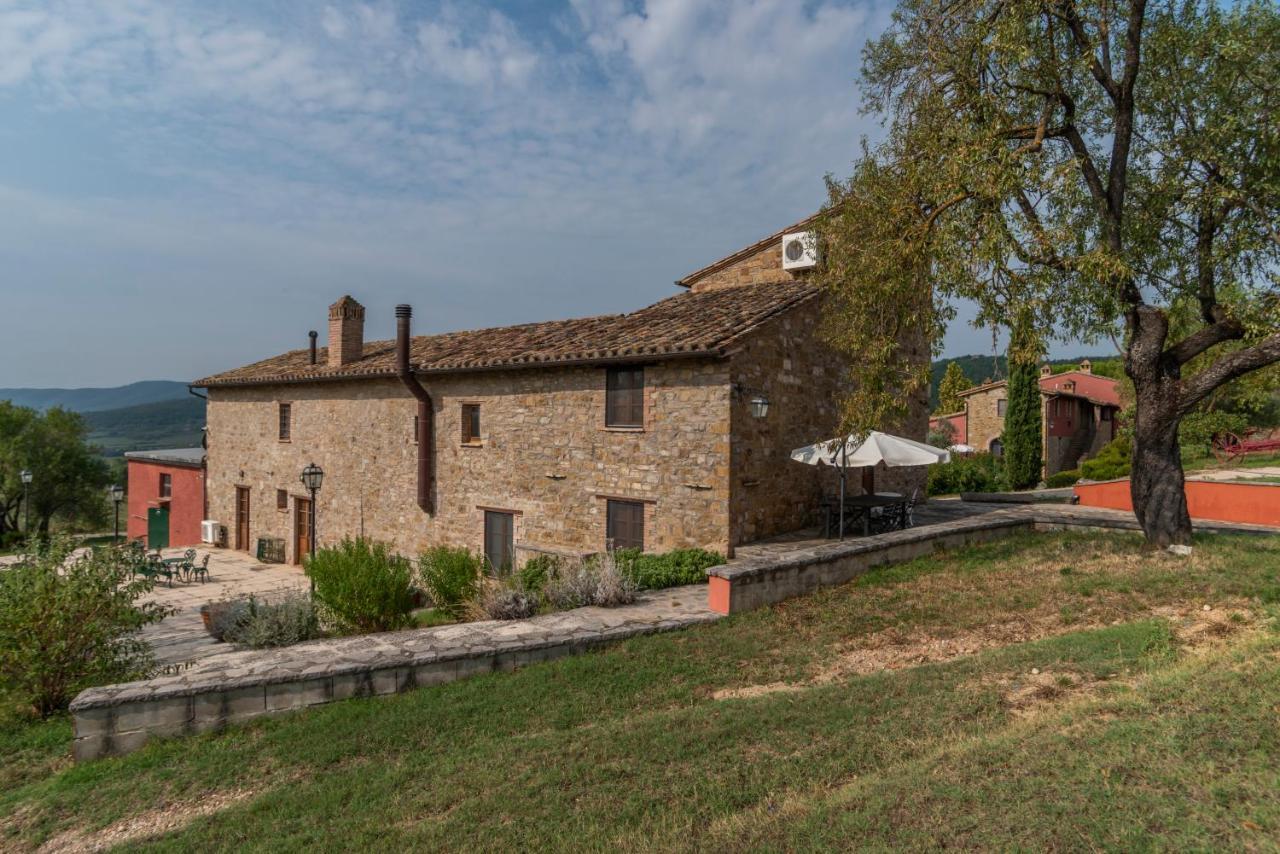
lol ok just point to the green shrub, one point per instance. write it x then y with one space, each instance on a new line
537 570
262 625
1196 432
361 586
225 616
1063 478
1110 463
672 569
67 624
980 472
451 577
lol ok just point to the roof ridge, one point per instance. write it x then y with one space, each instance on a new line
688 279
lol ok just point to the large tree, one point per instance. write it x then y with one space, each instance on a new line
949 387
68 477
1022 437
1094 164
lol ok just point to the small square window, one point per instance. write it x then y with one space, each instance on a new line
282 499
625 525
624 397
286 421
1001 406
1106 414
471 424
166 486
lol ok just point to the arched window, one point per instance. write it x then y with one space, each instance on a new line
996 447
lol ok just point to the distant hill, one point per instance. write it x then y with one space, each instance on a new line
979 368
98 399
149 426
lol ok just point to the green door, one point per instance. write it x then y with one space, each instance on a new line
158 527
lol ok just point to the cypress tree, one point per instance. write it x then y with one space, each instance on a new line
1022 440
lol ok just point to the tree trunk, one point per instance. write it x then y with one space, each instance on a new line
1156 482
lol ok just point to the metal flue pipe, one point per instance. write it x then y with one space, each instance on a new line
425 409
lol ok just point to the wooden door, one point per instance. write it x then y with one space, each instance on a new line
242 518
301 528
500 540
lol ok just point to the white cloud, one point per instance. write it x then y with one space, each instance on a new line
651 138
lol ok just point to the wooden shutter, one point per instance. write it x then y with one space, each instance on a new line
624 397
625 524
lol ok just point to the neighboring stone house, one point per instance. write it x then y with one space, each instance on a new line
1078 416
664 428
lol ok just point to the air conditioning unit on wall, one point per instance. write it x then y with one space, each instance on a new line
209 531
799 250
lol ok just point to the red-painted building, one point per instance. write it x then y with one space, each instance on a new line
166 496
1078 415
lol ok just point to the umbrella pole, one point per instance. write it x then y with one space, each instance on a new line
844 452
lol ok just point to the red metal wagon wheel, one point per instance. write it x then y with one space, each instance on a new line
1226 447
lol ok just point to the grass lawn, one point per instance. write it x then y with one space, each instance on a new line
1045 691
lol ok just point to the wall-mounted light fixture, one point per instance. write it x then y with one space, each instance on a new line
757 401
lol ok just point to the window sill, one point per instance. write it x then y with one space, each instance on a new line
611 429
472 445
285 441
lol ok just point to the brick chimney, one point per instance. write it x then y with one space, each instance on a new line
1086 367
346 332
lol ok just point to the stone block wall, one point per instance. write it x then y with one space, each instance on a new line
545 455
804 381
764 265
983 416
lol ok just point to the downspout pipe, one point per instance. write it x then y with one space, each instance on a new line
425 409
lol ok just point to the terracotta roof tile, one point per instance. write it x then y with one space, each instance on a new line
689 324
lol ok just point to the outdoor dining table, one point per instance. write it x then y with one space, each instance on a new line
863 504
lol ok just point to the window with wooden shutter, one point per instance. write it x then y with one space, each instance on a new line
282 499
286 421
625 524
471 424
624 397
166 486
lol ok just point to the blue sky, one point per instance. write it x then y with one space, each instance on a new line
185 187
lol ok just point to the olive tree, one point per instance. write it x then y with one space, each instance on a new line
1097 166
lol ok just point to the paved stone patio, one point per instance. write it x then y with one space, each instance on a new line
180 640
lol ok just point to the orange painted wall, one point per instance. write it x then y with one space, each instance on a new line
1251 503
186 504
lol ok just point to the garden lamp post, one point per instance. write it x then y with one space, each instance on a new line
117 495
26 476
312 478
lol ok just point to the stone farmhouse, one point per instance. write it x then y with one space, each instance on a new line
1078 416
664 428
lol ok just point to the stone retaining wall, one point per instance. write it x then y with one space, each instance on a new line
239 686
745 585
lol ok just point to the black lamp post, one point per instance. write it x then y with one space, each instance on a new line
312 478
117 495
26 476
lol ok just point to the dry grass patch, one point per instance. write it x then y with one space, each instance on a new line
154 822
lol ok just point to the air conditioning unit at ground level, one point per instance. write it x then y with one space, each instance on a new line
210 531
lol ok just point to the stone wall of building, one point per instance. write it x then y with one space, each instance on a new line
545 455
983 417
803 380
764 265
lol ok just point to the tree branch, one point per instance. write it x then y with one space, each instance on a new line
1226 329
1226 369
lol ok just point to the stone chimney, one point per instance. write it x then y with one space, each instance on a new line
1045 370
346 332
1086 367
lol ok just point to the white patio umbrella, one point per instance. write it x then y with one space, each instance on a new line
877 447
